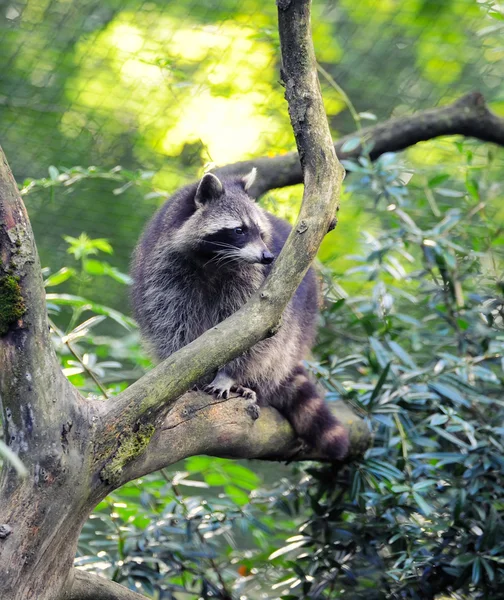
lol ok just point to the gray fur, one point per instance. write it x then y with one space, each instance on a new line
181 289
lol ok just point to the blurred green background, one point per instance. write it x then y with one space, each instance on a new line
165 87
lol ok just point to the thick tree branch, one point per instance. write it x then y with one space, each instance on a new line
199 424
147 401
469 116
25 345
87 586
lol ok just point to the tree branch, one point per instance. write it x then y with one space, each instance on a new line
138 411
87 586
469 116
199 424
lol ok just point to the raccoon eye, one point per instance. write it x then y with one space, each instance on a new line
240 230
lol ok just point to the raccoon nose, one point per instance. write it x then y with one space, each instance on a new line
267 258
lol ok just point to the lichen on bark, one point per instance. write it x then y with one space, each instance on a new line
131 445
12 306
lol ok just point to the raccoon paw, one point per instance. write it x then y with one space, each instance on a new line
217 391
253 411
244 392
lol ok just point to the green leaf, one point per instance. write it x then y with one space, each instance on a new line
84 305
237 495
421 485
402 354
476 571
450 437
350 145
240 475
437 179
382 356
463 560
447 391
286 549
53 173
379 384
438 419
197 464
488 568
472 188
214 479
425 508
59 277
384 469
496 14
94 267
98 267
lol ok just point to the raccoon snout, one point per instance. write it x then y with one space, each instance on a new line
267 258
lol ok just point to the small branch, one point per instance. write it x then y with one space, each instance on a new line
87 586
78 358
469 116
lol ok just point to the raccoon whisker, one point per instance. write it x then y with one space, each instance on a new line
220 255
226 260
224 245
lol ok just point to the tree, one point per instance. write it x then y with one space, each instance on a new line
77 451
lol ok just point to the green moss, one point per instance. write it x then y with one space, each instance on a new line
12 306
131 445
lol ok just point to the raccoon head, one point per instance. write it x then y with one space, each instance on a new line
230 227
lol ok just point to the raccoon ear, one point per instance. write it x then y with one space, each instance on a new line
249 179
209 188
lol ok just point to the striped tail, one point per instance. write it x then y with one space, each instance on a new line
311 417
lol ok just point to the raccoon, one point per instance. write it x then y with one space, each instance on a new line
201 257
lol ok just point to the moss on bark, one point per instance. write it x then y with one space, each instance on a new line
131 446
12 306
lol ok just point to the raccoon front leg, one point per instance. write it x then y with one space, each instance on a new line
224 384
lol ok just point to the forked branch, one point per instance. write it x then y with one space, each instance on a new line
469 116
154 394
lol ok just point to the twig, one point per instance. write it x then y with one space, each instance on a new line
78 357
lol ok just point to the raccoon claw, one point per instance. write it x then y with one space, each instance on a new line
217 391
246 393
253 411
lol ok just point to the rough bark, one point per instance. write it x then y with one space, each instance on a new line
469 116
39 411
200 424
86 586
76 450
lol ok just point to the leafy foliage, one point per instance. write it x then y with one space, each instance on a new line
420 312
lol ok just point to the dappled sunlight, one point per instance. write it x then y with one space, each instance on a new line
179 84
228 127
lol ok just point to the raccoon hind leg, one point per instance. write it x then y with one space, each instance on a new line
311 417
